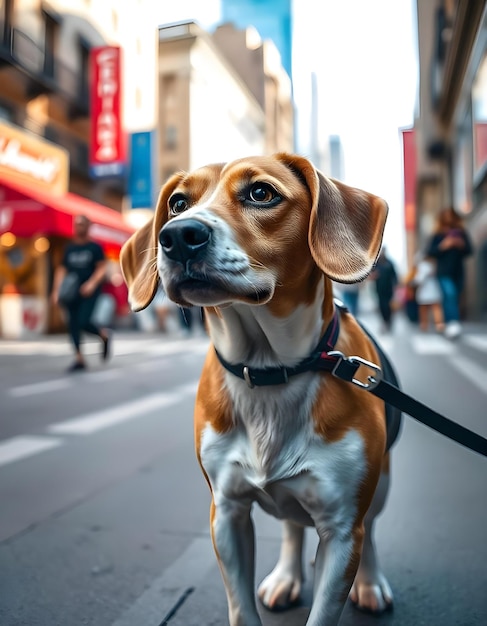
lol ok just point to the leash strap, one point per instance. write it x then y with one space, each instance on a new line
324 358
346 368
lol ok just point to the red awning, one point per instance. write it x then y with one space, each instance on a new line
27 212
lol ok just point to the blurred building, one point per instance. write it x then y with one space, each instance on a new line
450 133
271 18
318 153
259 65
218 102
56 58
337 161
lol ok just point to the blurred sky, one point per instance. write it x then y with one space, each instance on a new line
365 59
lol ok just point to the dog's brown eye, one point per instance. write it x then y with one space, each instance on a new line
178 203
262 195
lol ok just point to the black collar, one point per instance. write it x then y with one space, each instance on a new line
319 359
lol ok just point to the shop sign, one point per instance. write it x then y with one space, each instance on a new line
409 164
107 142
30 160
142 171
22 317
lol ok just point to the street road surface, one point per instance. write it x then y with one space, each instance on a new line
104 511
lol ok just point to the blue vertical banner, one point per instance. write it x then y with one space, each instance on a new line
142 170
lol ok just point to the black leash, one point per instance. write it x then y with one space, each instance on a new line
324 358
346 368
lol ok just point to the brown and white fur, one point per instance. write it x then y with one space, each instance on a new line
256 242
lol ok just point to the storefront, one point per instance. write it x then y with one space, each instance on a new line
36 219
469 170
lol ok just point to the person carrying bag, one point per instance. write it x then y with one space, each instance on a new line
69 289
77 285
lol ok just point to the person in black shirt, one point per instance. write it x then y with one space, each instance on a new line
450 245
385 277
86 259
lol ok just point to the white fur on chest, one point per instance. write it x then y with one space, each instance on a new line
274 457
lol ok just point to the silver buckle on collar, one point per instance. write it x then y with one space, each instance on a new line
247 378
374 379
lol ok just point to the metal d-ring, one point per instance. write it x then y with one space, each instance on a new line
374 379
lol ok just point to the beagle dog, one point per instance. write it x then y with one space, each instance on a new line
257 242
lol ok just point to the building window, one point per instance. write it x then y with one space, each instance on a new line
169 93
6 12
83 86
51 27
463 165
169 111
171 137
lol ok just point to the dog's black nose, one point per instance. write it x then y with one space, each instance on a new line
183 240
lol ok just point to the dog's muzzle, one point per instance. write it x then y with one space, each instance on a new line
184 240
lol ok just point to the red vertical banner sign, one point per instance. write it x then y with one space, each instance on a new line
409 164
480 145
107 140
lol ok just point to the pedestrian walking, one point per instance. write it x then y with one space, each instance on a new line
410 303
450 245
77 285
428 294
385 277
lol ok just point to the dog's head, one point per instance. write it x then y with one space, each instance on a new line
244 230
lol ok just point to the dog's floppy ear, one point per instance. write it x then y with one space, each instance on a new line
346 224
346 230
138 257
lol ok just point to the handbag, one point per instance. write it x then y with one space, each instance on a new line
69 289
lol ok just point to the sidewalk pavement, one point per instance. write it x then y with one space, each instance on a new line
402 324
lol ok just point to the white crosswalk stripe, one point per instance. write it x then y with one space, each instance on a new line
479 342
431 345
154 350
99 420
35 388
435 345
25 446
471 370
21 447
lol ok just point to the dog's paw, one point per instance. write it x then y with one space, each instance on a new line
372 596
280 590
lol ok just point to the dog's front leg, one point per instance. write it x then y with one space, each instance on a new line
232 532
337 560
282 587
